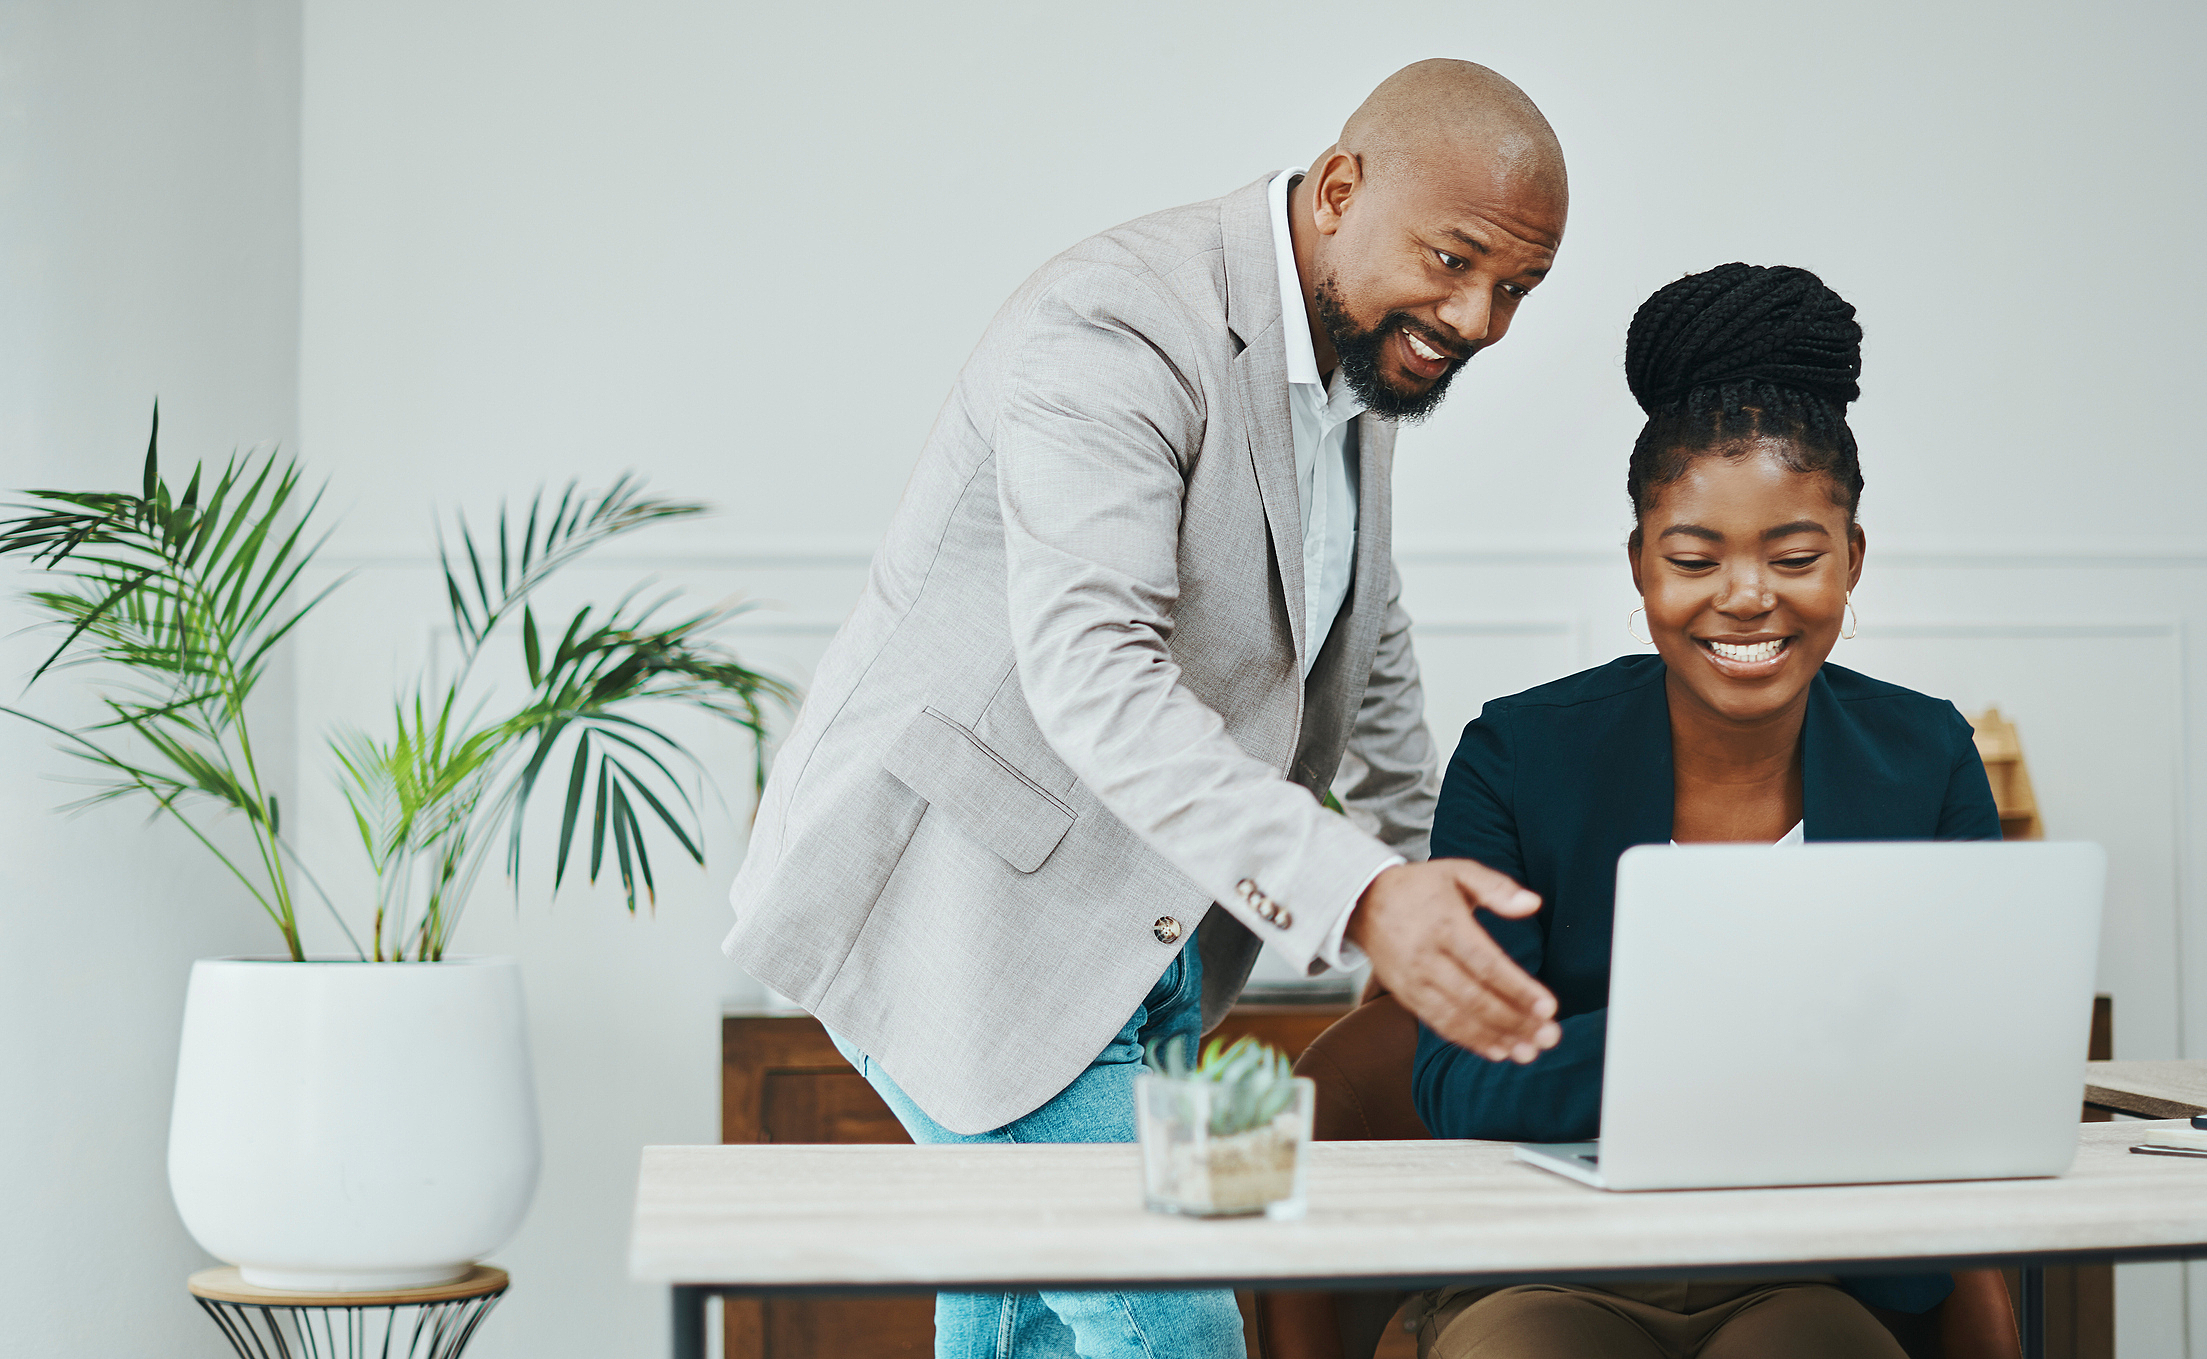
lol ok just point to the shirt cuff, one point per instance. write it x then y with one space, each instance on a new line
1337 951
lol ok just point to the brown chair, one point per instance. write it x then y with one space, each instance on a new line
1362 1067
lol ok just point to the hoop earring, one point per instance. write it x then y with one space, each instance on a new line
1854 620
1634 635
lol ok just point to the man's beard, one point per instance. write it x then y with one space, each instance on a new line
1358 352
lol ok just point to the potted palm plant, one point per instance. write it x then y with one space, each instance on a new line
368 1121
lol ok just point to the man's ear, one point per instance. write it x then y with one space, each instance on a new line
1857 544
1334 181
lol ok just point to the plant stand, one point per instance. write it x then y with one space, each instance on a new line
416 1323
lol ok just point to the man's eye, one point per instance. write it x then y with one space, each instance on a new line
1515 290
1451 261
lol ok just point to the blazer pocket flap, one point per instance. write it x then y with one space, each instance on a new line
1011 815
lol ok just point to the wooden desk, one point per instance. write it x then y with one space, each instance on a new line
2147 1089
887 1219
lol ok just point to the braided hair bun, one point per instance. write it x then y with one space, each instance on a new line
1726 359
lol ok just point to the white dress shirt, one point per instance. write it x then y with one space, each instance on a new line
1324 418
1325 447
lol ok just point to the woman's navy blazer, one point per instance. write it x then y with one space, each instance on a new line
1550 786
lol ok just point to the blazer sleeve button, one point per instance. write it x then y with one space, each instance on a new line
1166 929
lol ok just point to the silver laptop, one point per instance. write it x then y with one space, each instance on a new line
1844 1014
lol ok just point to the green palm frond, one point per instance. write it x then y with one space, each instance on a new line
431 803
552 536
176 598
413 800
599 669
173 600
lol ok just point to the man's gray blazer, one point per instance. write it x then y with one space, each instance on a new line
1066 722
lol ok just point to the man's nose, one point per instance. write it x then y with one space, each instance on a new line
1469 311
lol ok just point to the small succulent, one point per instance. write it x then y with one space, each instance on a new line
1251 1082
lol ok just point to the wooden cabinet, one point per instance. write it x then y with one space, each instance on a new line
781 1080
2002 751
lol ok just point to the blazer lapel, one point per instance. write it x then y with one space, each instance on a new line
1253 315
1848 791
1639 788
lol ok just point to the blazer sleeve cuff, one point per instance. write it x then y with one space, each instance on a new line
1337 951
1299 901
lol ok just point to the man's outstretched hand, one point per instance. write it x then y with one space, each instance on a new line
1414 923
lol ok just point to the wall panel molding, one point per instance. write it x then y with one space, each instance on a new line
2179 554
830 552
1496 627
2049 631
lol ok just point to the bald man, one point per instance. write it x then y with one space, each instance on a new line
1060 776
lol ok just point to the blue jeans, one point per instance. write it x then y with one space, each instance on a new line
1097 1107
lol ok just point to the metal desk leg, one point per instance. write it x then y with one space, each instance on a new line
2033 1319
689 1320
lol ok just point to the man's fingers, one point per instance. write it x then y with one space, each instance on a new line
1470 1013
1472 949
1482 886
1477 1022
1418 927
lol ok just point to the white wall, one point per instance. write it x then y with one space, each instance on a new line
744 248
148 244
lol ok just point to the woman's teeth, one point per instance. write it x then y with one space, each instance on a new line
1422 349
1749 654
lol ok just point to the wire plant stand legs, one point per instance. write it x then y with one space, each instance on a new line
435 1324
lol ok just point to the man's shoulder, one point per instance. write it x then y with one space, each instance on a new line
1176 256
1163 242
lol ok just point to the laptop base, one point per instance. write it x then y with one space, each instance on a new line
1580 1161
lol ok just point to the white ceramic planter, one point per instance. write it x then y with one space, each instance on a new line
353 1125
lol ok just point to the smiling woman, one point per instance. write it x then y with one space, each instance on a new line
1744 486
1744 483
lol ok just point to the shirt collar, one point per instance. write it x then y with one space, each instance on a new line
1302 362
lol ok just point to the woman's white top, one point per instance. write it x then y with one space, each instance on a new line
1796 836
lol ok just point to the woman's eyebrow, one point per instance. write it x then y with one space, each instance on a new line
1708 535
1797 526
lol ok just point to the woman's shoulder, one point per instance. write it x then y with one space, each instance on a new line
1865 697
1574 716
1618 681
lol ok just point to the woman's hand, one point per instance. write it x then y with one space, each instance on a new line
1414 922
